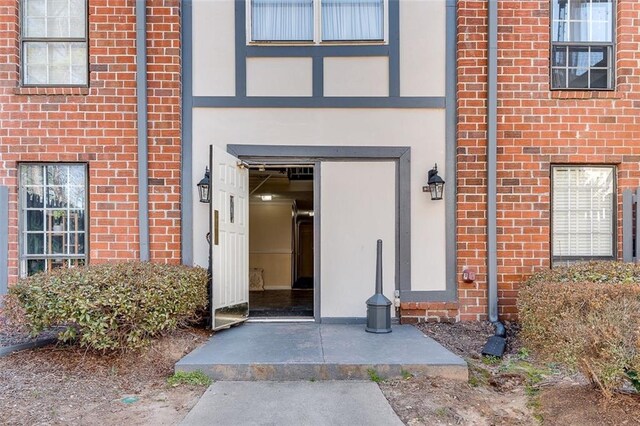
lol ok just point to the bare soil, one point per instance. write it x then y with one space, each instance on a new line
63 385
517 390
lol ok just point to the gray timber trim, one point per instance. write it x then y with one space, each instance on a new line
186 154
318 79
437 102
142 119
451 120
265 51
317 154
627 225
428 296
241 56
394 48
4 240
317 270
403 224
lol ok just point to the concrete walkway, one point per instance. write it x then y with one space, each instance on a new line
325 403
310 351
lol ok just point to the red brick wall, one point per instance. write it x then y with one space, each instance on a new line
98 126
536 128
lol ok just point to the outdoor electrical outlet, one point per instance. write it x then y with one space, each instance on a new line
468 275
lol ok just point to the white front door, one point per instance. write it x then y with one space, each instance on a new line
229 240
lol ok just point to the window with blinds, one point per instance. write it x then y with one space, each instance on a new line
582 212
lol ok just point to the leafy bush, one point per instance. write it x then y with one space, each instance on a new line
586 316
112 305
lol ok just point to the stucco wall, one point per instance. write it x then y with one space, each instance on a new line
422 130
422 57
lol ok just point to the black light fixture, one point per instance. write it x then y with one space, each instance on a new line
204 187
435 184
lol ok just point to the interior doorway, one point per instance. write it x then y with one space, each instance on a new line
281 241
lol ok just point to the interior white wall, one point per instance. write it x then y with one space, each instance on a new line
270 242
355 213
423 38
421 129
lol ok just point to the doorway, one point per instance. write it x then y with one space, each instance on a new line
281 241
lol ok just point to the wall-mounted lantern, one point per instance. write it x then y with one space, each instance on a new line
204 187
435 184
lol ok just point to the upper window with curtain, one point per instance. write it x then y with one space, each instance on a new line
54 43
316 21
582 44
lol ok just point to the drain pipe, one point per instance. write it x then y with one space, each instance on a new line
496 344
143 157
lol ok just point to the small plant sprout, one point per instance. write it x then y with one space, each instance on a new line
193 378
491 360
523 353
374 376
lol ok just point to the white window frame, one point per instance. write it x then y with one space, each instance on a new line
317 29
66 258
24 40
569 258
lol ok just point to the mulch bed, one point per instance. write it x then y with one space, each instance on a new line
61 384
467 339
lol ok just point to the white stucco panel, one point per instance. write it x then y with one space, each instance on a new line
279 77
422 47
355 213
214 48
357 76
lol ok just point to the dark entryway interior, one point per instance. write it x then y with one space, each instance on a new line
281 241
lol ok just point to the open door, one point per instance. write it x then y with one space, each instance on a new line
229 242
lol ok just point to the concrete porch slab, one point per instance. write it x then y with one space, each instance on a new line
309 351
292 403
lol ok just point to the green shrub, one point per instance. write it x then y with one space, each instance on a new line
112 305
586 316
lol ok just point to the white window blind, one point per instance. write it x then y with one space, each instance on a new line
582 211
